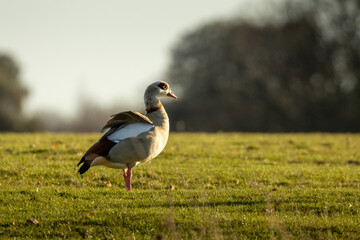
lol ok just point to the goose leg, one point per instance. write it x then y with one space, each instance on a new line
124 172
128 179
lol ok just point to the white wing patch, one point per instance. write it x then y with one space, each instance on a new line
131 130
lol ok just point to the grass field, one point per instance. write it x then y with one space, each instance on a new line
203 186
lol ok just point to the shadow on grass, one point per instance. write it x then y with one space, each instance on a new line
209 204
199 204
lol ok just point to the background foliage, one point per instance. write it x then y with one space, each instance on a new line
298 74
12 94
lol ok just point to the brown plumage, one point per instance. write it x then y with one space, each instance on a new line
124 118
100 148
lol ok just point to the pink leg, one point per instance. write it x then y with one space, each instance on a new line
128 179
124 171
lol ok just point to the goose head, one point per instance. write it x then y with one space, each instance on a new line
159 89
153 92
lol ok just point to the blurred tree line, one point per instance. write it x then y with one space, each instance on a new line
12 95
300 74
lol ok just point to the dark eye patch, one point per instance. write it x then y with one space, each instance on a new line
163 85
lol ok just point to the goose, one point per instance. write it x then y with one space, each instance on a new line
130 137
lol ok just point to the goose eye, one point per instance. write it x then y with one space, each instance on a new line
163 86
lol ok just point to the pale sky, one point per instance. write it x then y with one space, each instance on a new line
106 50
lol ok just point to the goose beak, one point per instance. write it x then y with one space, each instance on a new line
172 95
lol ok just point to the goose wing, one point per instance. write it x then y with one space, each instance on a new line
120 126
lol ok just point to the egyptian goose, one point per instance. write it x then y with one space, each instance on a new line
130 137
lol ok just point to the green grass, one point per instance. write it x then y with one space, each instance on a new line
203 186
